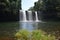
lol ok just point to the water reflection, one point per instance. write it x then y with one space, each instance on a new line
49 27
28 25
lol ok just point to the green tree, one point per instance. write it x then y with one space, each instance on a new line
49 8
31 9
47 5
10 8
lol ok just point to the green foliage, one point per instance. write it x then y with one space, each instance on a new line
39 5
49 9
34 35
40 35
10 9
22 35
31 9
47 5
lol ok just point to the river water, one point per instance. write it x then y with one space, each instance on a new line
10 28
28 25
48 27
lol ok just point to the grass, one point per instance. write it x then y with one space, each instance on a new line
34 35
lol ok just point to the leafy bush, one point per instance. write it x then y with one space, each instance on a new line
34 35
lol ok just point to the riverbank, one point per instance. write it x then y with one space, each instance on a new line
8 28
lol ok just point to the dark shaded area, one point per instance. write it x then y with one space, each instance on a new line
49 9
27 15
33 15
8 28
9 10
48 16
50 28
8 16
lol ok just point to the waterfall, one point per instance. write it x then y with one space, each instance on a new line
24 16
30 15
36 16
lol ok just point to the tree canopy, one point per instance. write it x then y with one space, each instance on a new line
9 9
47 5
49 8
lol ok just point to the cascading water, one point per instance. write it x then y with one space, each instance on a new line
24 16
21 15
27 22
30 16
36 16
